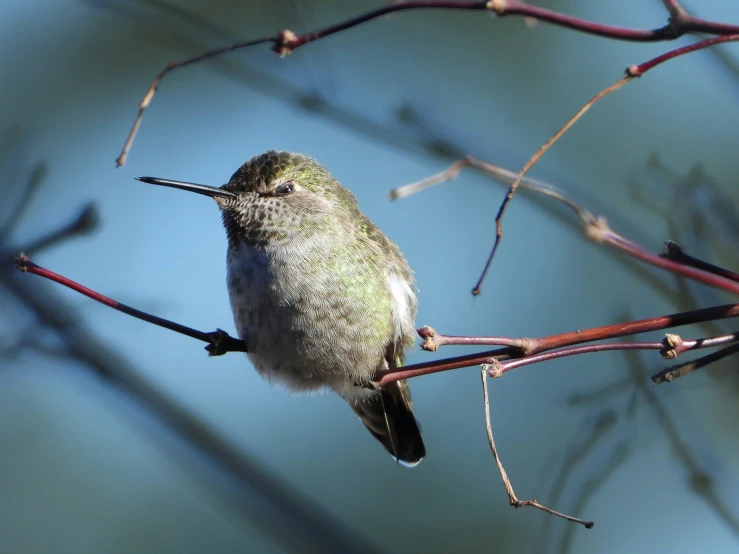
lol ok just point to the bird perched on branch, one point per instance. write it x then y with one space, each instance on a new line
322 298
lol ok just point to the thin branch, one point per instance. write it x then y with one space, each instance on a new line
494 366
674 252
606 236
285 90
433 340
219 342
512 498
561 340
669 374
121 160
595 228
535 158
496 172
675 9
641 69
632 72
255 492
443 176
286 41
531 346
671 347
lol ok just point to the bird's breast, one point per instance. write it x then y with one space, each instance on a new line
311 324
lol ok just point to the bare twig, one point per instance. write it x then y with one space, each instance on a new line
535 158
632 72
219 342
121 160
248 488
642 68
287 41
530 346
606 236
433 340
669 374
512 498
674 252
594 227
671 347
498 173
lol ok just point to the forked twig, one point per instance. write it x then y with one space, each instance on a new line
524 350
512 498
669 374
286 41
595 228
535 158
632 72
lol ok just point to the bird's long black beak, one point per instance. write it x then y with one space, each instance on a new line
206 190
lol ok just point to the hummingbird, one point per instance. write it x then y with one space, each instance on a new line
321 297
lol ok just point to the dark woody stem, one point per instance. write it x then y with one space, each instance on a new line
526 347
524 350
219 342
286 41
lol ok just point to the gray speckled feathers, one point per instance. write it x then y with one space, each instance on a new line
323 298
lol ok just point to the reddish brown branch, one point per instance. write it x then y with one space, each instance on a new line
594 227
531 346
219 342
498 368
676 254
669 374
535 158
433 340
561 340
121 159
642 68
291 42
670 347
632 72
516 7
287 41
675 9
617 241
523 349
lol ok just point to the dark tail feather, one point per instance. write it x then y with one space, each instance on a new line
389 417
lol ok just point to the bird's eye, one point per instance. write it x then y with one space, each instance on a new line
285 188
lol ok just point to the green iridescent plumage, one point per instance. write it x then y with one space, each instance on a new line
323 298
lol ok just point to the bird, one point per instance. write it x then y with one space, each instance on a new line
321 297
